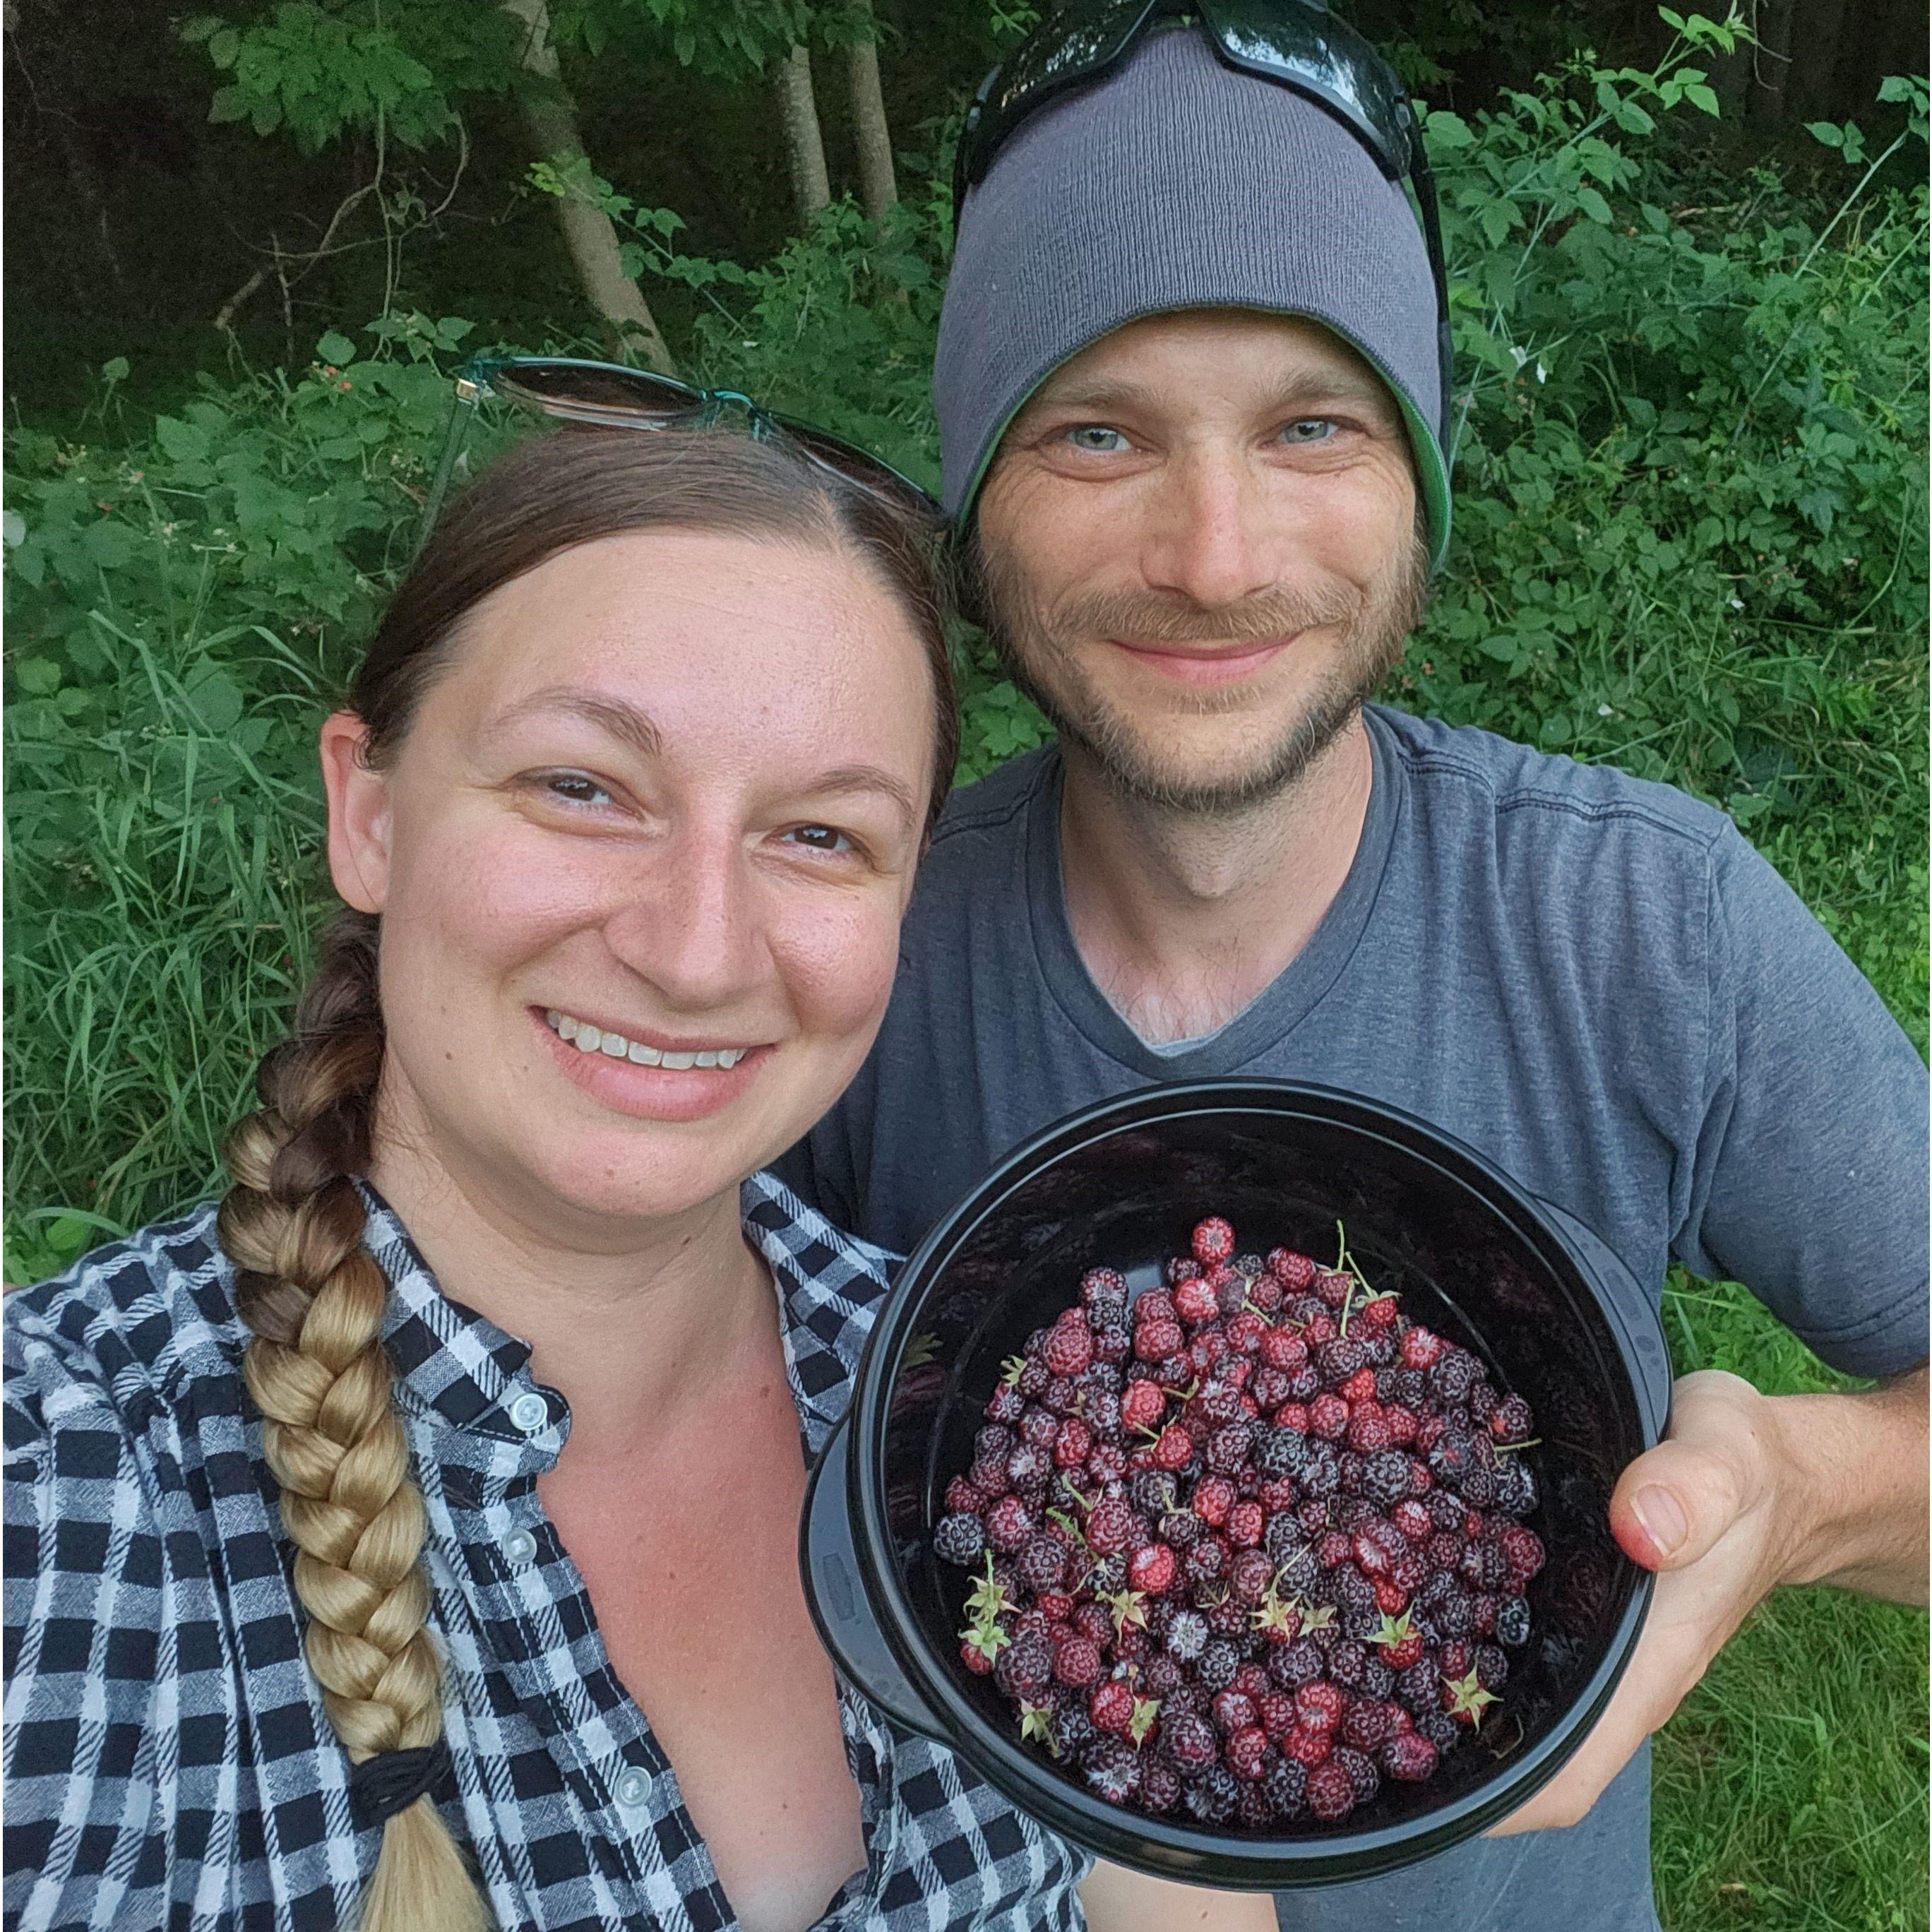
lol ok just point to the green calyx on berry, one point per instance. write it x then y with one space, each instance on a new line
1468 1699
1128 1608
1393 1632
987 1637
1276 1616
920 1350
1141 1722
1318 1617
1036 1726
1012 1369
987 1599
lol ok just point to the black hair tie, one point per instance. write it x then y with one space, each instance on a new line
391 1781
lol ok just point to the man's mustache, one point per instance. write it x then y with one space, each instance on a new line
1137 619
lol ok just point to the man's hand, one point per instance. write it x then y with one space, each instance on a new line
1745 1492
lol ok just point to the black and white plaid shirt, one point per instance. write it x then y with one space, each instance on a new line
168 1762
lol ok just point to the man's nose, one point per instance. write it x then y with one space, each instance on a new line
1211 535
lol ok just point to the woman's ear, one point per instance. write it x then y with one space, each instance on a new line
358 813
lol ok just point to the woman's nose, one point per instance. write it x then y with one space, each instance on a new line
690 924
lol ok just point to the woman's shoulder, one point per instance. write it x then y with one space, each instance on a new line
814 1251
137 1329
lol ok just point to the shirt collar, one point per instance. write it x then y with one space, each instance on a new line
456 1368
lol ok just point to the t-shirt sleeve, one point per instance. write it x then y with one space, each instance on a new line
1811 1178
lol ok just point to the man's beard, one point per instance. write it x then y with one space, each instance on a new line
1028 637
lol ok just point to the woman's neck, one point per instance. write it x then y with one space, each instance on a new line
627 1335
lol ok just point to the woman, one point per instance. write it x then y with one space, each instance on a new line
626 808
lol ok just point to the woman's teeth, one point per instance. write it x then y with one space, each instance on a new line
588 1039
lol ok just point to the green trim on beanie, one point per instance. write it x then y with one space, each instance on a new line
1432 466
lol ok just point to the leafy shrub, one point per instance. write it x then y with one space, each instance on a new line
1690 506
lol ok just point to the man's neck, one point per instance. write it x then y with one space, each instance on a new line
1183 920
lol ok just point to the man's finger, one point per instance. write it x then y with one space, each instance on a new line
1674 1501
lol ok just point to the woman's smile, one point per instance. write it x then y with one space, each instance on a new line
650 1080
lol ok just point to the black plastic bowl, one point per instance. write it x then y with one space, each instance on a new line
1540 1298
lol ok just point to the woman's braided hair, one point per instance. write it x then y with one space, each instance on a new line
313 1297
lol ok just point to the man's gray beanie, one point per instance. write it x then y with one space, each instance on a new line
1178 183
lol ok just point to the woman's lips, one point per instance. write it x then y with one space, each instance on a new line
1205 664
651 1092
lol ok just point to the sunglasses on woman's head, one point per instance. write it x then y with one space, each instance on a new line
608 395
1298 44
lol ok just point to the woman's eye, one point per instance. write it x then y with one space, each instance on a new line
1308 429
575 788
1097 439
820 838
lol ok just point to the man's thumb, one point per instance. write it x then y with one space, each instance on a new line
1672 1504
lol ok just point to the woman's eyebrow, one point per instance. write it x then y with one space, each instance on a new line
622 720
864 777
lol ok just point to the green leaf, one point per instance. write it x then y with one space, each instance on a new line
230 104
37 676
336 348
224 46
12 529
1832 135
1594 205
184 442
1702 97
1448 131
115 369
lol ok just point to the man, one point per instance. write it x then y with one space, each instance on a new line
1189 340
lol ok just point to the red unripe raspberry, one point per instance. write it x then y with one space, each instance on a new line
1111 1707
1194 1301
1054 1606
1276 1712
1408 1571
1319 1705
1155 1339
1073 1444
1399 1656
1252 1680
1214 1497
1069 1347
1400 1423
1246 1521
1390 1596
1370 1557
1248 1576
1173 1447
1360 1387
1280 1494
1078 1663
1213 1240
1245 1331
1283 1348
1421 1482
1292 1415
1234 1370
1429 1431
1247 1752
1108 1462
1522 1547
1420 1347
962 1498
1408 1756
1008 1523
1294 1271
1157 1305
1264 1291
1378 1313
1414 1521
1328 1417
1092 1620
1334 1288
1319 1328
1305 1746
1142 1404
1151 1569
1332 1548
1110 1526
1368 1432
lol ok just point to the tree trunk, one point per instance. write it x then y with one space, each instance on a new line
805 144
550 115
1773 64
876 186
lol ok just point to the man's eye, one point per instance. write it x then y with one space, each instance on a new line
820 838
1097 438
1307 429
575 788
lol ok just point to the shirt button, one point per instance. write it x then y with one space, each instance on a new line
530 1413
634 1787
519 1546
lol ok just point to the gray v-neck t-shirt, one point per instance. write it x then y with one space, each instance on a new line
1594 980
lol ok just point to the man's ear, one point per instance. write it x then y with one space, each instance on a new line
358 813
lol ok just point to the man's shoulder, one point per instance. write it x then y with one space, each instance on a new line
1543 795
992 809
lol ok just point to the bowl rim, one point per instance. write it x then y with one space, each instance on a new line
1177 1849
